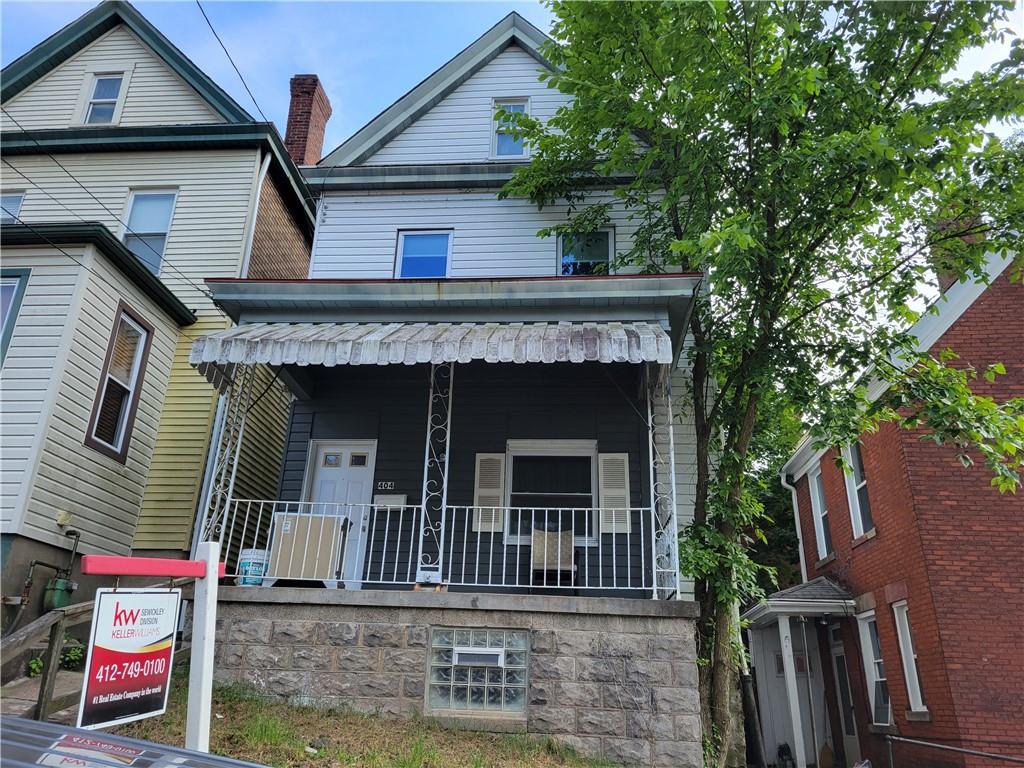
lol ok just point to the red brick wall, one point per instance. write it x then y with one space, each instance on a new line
951 544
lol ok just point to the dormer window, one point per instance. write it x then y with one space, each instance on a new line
506 145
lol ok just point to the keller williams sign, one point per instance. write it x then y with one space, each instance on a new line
128 669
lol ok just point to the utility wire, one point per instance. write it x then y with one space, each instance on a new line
226 53
161 258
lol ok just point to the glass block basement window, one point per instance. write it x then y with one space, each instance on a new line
477 670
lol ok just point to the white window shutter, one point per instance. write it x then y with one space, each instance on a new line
613 485
489 493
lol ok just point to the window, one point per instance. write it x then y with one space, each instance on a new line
585 253
799 664
117 397
424 254
857 491
874 670
103 99
822 529
481 670
552 489
12 289
10 206
909 655
506 145
149 220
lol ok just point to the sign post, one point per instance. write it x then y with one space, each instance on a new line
128 668
118 622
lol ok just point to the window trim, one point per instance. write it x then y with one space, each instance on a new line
852 499
908 656
21 203
89 88
21 274
127 217
819 511
496 102
552 448
611 249
120 453
867 657
400 250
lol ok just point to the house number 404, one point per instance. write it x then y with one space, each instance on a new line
385 485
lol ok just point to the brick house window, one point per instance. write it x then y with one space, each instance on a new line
908 653
117 398
874 670
477 670
857 491
822 528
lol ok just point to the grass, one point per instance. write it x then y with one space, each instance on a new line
246 727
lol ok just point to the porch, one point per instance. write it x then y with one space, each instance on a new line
523 457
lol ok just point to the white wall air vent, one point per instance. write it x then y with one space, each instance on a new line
479 657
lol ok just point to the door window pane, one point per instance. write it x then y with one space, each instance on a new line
424 254
585 253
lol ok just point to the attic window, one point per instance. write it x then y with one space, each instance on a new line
103 99
507 145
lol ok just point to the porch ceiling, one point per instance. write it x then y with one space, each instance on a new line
331 344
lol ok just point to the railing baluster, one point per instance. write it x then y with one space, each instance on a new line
615 535
387 531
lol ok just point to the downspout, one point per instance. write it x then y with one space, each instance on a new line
251 229
788 482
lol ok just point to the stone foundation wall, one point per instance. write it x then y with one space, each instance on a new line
610 677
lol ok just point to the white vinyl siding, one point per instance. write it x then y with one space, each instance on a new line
357 233
684 438
908 654
102 495
154 94
459 128
33 367
210 213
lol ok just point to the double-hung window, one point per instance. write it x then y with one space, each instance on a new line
10 207
857 491
424 254
822 529
585 253
104 96
505 144
12 289
874 670
117 396
149 221
908 654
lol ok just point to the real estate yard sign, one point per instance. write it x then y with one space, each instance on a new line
128 669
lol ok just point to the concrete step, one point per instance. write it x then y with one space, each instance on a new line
18 697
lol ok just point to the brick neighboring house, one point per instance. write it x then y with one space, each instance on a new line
913 591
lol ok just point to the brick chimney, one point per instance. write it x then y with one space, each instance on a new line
308 114
948 249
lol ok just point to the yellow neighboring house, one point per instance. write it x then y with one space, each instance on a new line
113 142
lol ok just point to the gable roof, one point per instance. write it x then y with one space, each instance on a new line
821 588
65 43
511 30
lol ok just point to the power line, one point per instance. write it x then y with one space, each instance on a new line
237 71
161 258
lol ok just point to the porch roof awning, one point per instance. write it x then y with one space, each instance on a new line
331 344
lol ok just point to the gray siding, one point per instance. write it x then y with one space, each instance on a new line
491 405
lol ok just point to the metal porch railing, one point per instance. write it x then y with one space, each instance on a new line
519 548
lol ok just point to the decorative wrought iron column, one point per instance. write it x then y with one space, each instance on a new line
661 449
236 398
430 555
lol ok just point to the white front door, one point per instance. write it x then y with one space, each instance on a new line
847 720
340 476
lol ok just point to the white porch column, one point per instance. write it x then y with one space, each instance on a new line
792 695
662 455
430 552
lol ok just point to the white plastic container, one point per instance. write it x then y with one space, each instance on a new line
252 566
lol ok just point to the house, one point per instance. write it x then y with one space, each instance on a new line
489 454
907 624
128 176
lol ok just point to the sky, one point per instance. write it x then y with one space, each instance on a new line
367 54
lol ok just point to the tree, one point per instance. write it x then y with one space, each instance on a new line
818 163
